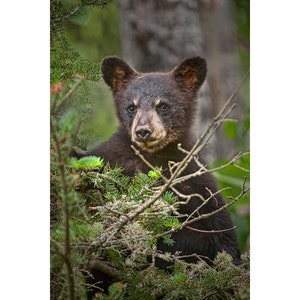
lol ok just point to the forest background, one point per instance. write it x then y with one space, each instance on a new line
96 32
151 36
35 219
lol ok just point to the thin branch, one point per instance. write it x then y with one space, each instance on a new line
241 168
211 231
205 201
207 215
203 169
147 163
66 213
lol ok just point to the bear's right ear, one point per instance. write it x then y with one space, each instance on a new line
116 72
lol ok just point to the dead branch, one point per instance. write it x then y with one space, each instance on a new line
244 190
204 170
211 231
103 266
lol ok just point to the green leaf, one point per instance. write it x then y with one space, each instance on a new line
171 222
179 277
91 162
155 174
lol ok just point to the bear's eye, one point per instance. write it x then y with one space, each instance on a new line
131 109
164 107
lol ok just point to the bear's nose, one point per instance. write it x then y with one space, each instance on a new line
143 132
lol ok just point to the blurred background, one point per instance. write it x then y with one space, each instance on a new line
155 36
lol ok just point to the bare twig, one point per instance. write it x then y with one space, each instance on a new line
211 231
205 216
203 169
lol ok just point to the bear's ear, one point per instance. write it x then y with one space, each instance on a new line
116 72
190 73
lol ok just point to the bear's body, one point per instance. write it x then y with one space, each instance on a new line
156 112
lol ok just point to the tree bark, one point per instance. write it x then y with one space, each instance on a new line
217 21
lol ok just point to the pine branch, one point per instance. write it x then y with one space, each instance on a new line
60 15
62 148
66 213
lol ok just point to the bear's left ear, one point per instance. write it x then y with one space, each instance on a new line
116 72
190 73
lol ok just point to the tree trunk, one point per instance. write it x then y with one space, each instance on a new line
217 20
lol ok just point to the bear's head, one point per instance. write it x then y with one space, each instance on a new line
156 109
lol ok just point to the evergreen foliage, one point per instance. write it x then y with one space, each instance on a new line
65 60
96 213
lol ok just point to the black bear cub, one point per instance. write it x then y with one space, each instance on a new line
156 113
